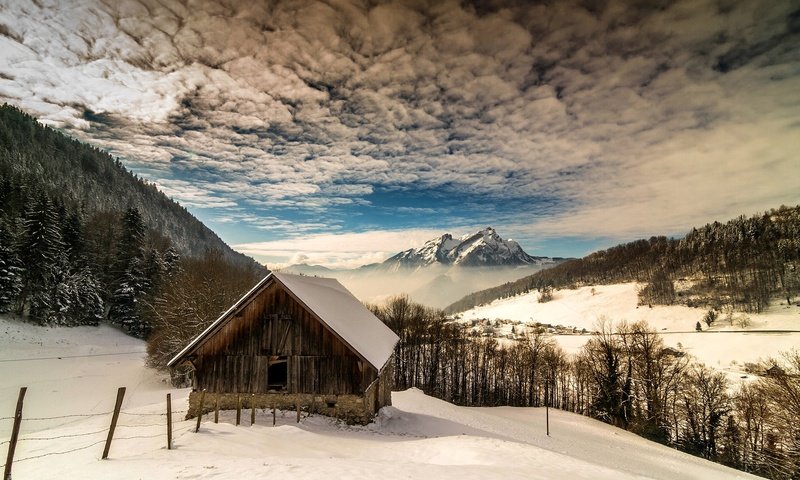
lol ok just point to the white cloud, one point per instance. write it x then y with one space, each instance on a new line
339 250
625 120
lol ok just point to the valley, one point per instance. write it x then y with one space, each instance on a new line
573 314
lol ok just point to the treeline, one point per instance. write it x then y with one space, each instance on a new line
59 268
624 376
741 264
70 254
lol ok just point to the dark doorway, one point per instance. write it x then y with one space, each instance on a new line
278 373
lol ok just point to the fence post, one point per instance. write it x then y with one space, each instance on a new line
238 409
169 421
216 407
12 445
117 406
273 414
547 405
253 409
297 404
200 412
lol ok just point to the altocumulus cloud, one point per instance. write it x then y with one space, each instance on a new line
584 118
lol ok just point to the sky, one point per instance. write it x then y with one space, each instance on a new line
341 132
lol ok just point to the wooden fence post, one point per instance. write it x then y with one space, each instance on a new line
200 410
238 409
216 407
12 445
114 418
273 415
169 421
297 404
547 405
253 409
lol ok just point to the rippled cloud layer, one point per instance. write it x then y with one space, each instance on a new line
273 120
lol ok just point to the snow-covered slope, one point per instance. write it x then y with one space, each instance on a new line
419 437
724 346
484 248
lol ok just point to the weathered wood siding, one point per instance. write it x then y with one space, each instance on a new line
274 324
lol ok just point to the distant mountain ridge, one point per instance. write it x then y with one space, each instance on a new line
440 271
484 248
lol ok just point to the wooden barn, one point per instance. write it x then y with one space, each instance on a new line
294 340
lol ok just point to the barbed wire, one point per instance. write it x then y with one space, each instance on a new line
75 415
63 436
133 437
140 436
152 414
161 434
56 453
142 425
67 356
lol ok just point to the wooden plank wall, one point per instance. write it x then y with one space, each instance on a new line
273 324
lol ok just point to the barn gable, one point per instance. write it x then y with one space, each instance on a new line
325 299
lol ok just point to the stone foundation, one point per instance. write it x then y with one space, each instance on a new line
353 409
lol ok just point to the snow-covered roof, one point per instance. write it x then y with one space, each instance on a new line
345 315
333 304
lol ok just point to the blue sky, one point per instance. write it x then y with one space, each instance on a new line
342 132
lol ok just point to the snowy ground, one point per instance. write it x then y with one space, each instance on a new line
723 346
76 371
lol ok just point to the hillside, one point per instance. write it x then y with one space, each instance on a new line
77 371
573 314
82 240
35 158
741 263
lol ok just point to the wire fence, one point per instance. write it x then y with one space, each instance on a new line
180 431
129 429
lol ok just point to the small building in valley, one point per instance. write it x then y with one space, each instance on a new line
293 340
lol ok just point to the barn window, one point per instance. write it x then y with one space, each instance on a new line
278 373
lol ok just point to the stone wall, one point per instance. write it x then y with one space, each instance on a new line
353 409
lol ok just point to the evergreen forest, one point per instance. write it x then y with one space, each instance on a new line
83 240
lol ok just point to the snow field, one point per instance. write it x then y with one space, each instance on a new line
723 346
419 437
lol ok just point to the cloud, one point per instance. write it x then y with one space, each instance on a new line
570 118
341 250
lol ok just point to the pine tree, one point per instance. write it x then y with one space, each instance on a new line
72 234
130 281
131 242
91 307
10 271
124 310
43 261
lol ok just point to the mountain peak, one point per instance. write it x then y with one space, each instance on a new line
483 248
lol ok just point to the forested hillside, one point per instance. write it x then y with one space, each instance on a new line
740 263
83 240
35 160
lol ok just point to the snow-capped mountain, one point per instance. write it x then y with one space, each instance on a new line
482 249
